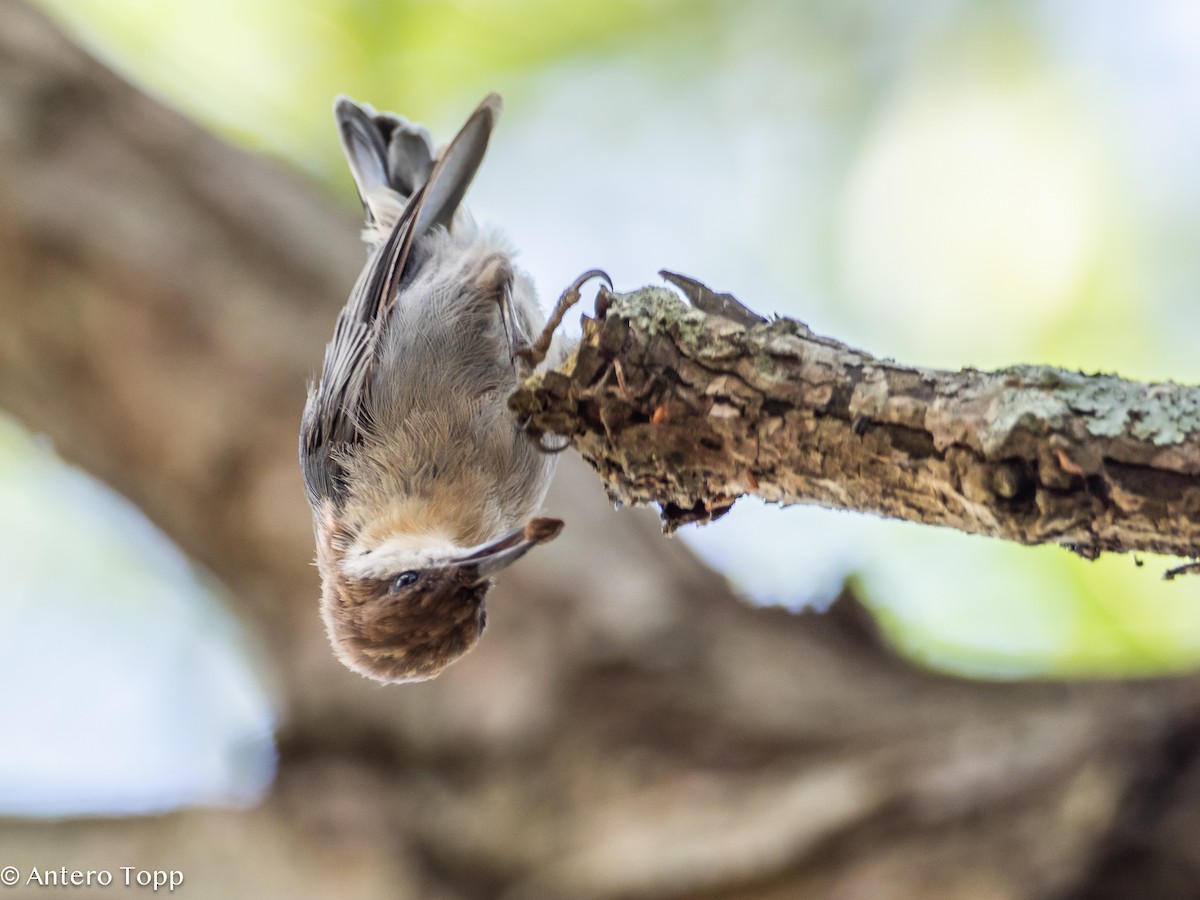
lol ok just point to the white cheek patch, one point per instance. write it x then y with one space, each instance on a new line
396 554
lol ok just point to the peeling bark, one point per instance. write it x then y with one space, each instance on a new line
692 410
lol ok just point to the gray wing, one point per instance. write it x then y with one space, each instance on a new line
334 415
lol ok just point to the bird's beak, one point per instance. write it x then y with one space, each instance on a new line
481 563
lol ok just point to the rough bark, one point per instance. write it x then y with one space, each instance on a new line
691 410
626 727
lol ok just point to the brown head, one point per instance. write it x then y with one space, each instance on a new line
402 610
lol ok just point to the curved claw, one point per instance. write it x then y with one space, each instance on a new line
551 451
533 354
538 440
577 285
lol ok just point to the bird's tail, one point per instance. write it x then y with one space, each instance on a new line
392 159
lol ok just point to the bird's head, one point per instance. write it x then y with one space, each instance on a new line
405 607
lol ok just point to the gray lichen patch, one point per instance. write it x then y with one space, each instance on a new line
1160 414
1104 402
1169 416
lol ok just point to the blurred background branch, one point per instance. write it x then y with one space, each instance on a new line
627 727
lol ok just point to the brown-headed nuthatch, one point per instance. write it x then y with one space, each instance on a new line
421 482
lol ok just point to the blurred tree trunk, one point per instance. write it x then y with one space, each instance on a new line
626 729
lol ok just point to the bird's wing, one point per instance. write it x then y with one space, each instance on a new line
334 415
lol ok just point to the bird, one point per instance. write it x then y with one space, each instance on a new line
422 483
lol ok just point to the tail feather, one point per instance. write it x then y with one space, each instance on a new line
409 155
456 167
390 159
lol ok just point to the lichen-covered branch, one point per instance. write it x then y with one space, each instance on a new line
691 410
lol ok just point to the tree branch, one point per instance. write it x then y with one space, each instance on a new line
692 410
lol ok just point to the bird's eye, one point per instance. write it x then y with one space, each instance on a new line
404 579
